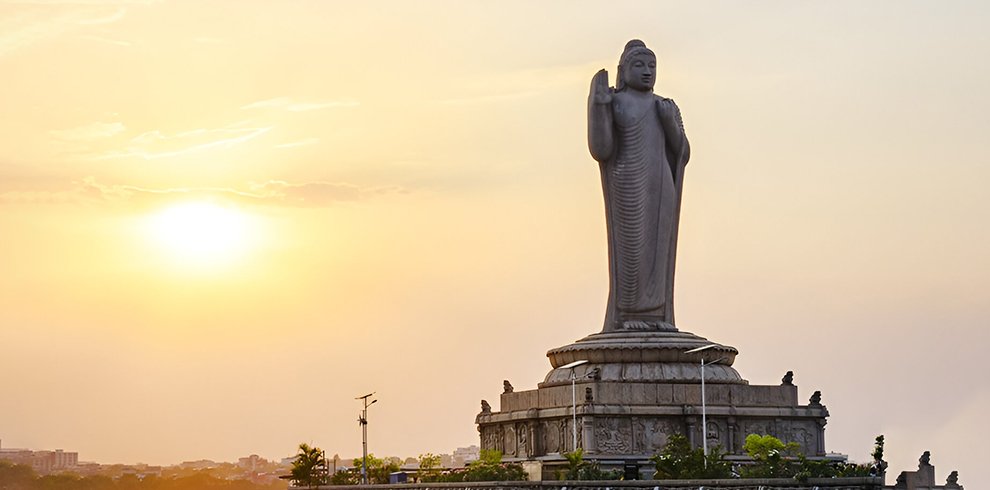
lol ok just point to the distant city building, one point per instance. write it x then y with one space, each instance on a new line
201 464
250 462
43 462
467 454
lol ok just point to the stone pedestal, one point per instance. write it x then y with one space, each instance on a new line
636 390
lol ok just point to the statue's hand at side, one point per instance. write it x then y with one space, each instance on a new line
600 91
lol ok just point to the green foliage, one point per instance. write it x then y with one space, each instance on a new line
309 467
808 468
769 457
429 467
878 449
879 465
579 469
678 461
378 469
489 467
345 477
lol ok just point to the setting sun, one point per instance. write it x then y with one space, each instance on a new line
201 233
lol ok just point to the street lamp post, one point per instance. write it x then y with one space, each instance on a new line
363 420
704 408
571 366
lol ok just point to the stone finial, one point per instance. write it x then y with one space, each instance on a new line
485 407
952 481
925 459
506 386
589 396
816 398
788 379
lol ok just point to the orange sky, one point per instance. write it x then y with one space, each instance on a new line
222 221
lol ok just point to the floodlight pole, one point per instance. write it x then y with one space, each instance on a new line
574 408
363 420
704 414
571 366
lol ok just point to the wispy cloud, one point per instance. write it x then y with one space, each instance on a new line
53 18
153 145
288 104
270 193
25 30
317 194
89 132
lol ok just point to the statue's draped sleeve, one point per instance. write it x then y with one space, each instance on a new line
600 138
678 148
678 153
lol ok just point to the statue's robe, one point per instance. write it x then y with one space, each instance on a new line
641 181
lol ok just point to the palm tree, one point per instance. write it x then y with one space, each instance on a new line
309 467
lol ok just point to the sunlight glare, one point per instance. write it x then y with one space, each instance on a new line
202 234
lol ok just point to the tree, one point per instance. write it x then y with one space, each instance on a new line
769 457
345 477
378 469
309 467
879 465
489 467
579 469
429 467
678 461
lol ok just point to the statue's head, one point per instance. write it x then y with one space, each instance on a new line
637 67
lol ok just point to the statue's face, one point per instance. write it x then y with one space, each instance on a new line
641 72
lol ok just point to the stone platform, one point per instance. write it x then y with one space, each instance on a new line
636 390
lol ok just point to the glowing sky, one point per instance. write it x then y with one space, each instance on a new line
222 221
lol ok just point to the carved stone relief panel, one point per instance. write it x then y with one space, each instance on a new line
650 434
551 436
522 440
491 437
761 427
801 434
509 440
613 435
567 435
714 434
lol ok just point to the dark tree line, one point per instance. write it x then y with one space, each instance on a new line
20 477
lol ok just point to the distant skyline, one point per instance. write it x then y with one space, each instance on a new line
219 224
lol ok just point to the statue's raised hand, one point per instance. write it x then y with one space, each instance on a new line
601 93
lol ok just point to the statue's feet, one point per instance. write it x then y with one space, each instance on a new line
638 325
643 325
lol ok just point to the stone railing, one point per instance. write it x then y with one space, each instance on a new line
863 483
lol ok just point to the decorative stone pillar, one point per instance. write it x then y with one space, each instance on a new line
692 424
731 437
820 442
587 434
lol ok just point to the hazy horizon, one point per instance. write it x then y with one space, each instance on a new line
220 224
